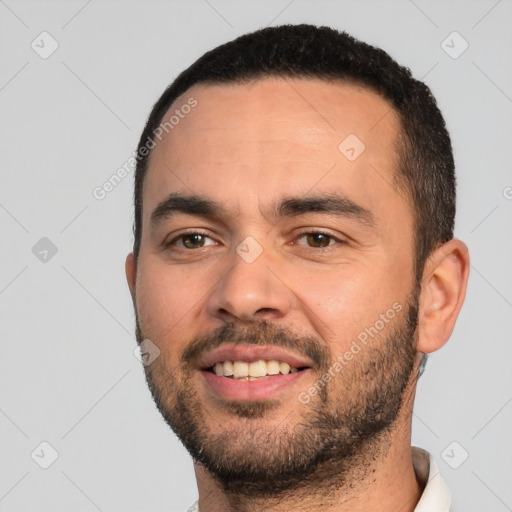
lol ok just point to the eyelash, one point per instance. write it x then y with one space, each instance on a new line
299 235
183 235
320 232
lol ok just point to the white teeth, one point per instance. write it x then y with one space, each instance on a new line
227 368
250 371
257 369
285 368
240 369
273 367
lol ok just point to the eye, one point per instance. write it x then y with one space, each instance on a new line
318 239
192 240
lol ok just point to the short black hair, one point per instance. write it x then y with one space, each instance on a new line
424 154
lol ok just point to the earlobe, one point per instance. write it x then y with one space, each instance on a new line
131 273
442 294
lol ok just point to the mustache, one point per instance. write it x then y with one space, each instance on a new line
263 333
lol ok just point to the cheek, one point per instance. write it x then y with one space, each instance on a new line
166 299
342 302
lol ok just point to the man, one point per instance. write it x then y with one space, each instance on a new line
294 263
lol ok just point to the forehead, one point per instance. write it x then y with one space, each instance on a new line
276 136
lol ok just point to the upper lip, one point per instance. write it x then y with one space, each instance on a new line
250 353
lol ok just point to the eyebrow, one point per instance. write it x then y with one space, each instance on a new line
188 204
333 204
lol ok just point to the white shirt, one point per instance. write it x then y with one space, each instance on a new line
436 496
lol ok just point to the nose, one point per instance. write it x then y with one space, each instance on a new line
250 291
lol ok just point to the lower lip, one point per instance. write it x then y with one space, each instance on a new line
261 389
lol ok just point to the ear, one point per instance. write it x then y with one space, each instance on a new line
131 273
443 289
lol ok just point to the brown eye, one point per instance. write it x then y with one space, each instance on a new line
193 240
318 240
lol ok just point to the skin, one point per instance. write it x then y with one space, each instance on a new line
246 147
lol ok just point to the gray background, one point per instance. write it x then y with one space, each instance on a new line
69 121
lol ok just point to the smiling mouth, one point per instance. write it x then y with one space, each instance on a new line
253 370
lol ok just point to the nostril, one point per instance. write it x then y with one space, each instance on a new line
265 310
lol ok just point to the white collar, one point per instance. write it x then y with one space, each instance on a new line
436 496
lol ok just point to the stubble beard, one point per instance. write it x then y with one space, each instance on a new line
342 432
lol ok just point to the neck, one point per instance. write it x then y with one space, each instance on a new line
380 478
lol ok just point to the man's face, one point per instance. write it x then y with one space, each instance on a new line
300 252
